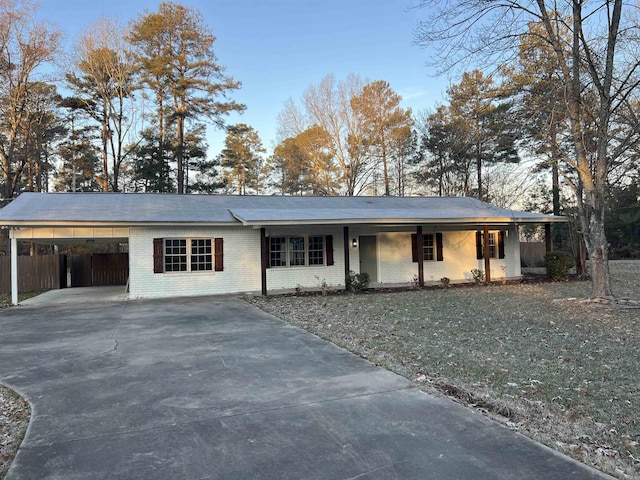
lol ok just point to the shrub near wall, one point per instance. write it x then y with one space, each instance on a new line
558 264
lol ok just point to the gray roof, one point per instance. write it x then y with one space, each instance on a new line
124 209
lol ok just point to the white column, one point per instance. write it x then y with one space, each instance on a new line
14 271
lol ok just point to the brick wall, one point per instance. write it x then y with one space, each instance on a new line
242 260
241 263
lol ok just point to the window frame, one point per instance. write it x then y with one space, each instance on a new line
291 261
206 258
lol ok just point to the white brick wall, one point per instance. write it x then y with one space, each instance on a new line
242 260
395 264
241 263
309 276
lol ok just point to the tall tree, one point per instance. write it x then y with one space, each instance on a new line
175 49
602 56
242 158
304 164
103 78
473 103
328 106
447 162
386 125
24 47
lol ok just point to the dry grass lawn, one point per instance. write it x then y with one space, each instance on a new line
562 371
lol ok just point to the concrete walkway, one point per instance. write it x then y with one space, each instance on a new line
212 388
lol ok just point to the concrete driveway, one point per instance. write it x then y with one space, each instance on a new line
212 388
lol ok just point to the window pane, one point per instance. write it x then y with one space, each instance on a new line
296 251
201 258
492 245
277 251
316 250
175 258
428 250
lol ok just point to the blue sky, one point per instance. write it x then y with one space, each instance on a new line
277 48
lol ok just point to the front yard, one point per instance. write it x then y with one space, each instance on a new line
535 357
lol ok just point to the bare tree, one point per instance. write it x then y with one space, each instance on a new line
24 46
103 78
602 58
328 106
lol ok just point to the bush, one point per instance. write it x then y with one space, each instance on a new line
358 281
478 275
558 264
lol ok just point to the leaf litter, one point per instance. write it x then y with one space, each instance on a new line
535 357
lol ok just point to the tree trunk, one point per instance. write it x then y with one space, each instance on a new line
180 153
599 257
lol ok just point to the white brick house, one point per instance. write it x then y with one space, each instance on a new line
183 245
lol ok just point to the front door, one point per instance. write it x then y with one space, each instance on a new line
369 257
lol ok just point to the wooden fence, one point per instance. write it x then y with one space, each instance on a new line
41 272
46 272
532 254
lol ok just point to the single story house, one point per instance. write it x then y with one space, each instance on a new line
185 245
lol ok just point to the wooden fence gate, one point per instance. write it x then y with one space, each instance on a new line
99 269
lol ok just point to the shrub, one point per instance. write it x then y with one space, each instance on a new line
558 264
358 281
478 275
445 282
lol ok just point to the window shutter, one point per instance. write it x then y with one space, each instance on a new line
158 255
218 251
500 244
440 256
414 247
329 249
478 245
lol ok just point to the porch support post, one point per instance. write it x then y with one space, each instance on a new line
347 266
264 259
486 253
420 252
547 237
14 271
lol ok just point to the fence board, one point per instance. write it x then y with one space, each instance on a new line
39 272
110 268
532 253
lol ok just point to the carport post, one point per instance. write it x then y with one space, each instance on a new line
14 271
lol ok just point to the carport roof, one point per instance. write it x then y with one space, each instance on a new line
137 209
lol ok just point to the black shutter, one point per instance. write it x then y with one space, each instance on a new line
500 244
218 255
158 255
440 256
478 245
329 249
414 247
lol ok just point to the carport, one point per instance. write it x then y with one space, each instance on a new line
86 270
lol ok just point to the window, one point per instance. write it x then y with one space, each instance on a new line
316 251
300 250
278 252
175 255
427 247
496 245
431 247
187 255
201 258
296 251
